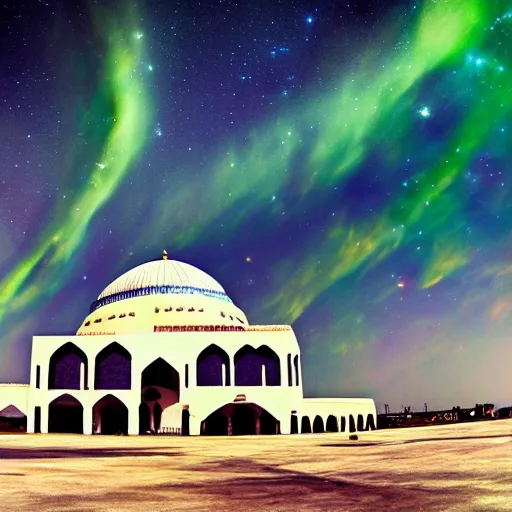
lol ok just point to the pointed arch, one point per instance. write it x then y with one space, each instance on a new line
65 415
370 422
296 368
331 425
305 425
251 364
161 374
360 422
113 368
213 367
318 425
343 424
110 415
289 367
64 371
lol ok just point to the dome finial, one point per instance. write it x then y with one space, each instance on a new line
164 255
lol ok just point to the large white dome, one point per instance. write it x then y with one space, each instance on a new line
163 273
158 294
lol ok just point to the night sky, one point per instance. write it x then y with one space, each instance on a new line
338 166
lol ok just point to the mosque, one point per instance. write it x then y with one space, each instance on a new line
165 350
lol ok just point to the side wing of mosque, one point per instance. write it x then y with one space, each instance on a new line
165 350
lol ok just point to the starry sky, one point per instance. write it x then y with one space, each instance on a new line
342 167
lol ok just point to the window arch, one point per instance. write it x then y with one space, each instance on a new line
253 365
351 424
296 367
65 368
290 374
65 415
343 424
113 368
213 367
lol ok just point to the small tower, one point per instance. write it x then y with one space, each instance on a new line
164 255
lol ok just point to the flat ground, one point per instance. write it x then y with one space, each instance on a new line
456 467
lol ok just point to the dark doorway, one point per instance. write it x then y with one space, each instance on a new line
343 424
294 424
268 424
305 425
65 368
144 421
185 422
351 423
211 363
113 416
243 421
65 416
161 374
360 422
215 425
37 420
318 425
370 422
331 424
113 368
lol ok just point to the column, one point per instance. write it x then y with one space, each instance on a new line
232 370
91 368
133 419
30 418
87 422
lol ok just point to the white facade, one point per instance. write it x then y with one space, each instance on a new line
164 349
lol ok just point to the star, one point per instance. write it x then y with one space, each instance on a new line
248 259
425 112
309 20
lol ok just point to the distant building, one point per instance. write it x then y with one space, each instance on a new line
165 350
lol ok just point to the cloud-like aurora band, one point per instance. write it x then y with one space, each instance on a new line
41 272
345 123
271 160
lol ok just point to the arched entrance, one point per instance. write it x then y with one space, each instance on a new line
66 415
240 419
305 425
370 422
110 416
318 425
332 424
160 387
243 421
